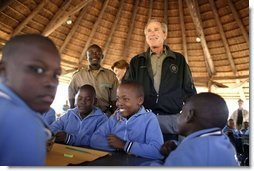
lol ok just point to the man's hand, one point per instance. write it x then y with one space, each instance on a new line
60 137
167 147
115 141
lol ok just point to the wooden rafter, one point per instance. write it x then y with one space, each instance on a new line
29 18
132 22
180 2
245 35
198 24
112 31
225 43
73 29
63 18
91 35
200 79
56 17
5 3
149 16
165 12
239 22
223 36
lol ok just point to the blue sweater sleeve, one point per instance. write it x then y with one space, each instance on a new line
84 139
153 142
99 138
25 139
58 125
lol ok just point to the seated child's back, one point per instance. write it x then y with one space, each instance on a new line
202 119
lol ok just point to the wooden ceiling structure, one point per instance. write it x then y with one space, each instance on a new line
213 35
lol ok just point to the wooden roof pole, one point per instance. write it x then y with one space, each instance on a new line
165 12
239 22
198 24
149 16
95 26
56 17
223 36
29 18
73 29
127 43
224 40
185 52
63 18
112 31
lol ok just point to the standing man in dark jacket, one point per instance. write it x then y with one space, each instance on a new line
165 75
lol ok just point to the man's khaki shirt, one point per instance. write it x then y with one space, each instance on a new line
103 80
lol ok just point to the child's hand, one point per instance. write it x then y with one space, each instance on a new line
60 137
167 147
115 141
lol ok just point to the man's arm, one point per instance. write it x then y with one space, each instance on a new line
189 87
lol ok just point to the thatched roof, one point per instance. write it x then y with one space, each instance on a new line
220 60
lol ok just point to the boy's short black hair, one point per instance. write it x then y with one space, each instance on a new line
89 88
16 44
136 86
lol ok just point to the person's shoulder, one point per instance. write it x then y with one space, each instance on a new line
138 58
18 116
148 114
99 112
140 55
107 70
84 69
70 112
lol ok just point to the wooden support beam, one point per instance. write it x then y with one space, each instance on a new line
184 42
56 17
73 29
63 18
29 18
239 22
165 12
218 78
198 24
91 35
127 42
149 17
112 31
5 3
223 36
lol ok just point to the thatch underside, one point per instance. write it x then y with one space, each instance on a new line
220 62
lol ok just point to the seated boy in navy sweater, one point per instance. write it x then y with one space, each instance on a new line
132 128
202 119
77 125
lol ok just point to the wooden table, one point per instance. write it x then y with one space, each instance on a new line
63 155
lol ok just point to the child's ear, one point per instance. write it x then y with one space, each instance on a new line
95 101
190 116
2 68
140 100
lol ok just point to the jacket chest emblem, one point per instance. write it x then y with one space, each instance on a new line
173 68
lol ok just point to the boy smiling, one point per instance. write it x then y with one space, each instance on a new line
132 128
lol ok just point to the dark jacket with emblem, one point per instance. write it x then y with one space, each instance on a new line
176 81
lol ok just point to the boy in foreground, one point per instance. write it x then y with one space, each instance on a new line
202 119
30 68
